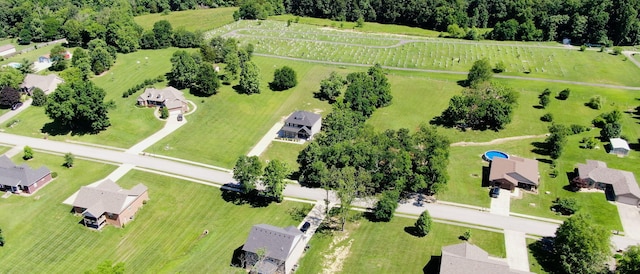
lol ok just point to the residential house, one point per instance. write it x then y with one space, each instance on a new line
47 83
514 172
468 258
108 203
280 248
596 174
22 179
169 97
301 125
619 147
7 50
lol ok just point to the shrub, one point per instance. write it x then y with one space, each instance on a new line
39 98
583 47
500 67
54 174
164 113
125 94
28 153
595 102
617 50
386 205
545 92
68 160
284 78
577 129
588 142
423 224
547 117
564 94
466 235
566 206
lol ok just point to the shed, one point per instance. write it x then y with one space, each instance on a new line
619 147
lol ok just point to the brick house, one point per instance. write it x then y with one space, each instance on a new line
596 174
22 179
168 97
514 172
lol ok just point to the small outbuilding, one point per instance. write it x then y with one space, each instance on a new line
7 50
619 147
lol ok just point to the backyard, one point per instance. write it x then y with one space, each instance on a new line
165 236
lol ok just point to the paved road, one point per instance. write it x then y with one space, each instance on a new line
206 174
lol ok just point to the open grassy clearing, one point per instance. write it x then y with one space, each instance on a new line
369 247
286 152
163 238
31 55
129 123
229 124
191 20
440 54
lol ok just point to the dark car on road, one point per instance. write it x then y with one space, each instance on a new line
305 227
16 106
494 192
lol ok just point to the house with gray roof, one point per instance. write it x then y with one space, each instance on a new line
47 83
271 249
168 97
596 174
301 125
514 172
468 258
108 203
22 179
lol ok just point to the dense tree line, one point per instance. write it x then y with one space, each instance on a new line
592 21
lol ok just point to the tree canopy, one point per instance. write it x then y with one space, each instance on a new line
581 246
479 73
250 79
184 70
368 91
206 82
273 178
9 96
247 171
283 78
630 261
331 87
79 105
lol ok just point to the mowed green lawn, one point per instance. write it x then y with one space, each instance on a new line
191 20
31 55
129 123
378 247
164 237
286 152
228 124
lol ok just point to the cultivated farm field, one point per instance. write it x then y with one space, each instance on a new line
414 52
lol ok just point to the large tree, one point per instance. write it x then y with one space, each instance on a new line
206 82
273 179
247 171
39 98
163 33
10 77
9 96
250 78
368 91
79 105
581 246
184 70
101 59
480 72
57 55
283 78
331 87
386 206
630 261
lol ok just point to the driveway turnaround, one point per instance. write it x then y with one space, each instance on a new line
501 205
630 218
516 247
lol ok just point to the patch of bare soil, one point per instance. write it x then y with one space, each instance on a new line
338 251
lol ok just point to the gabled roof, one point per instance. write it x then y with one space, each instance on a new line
107 196
43 82
277 242
619 143
303 118
468 258
515 170
623 182
13 175
170 96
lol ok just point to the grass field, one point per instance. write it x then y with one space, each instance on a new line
191 20
165 237
369 247
4 149
331 45
129 124
229 124
286 152
31 55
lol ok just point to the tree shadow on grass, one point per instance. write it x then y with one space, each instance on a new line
55 128
540 148
542 251
538 107
433 266
253 198
413 231
485 176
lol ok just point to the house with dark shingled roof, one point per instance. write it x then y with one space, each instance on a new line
22 179
301 125
271 249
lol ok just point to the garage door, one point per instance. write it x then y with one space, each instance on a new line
628 200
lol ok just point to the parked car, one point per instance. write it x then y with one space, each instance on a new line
494 192
180 117
305 227
16 106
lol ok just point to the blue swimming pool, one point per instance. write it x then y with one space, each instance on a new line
489 155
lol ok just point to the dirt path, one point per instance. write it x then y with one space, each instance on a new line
497 141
